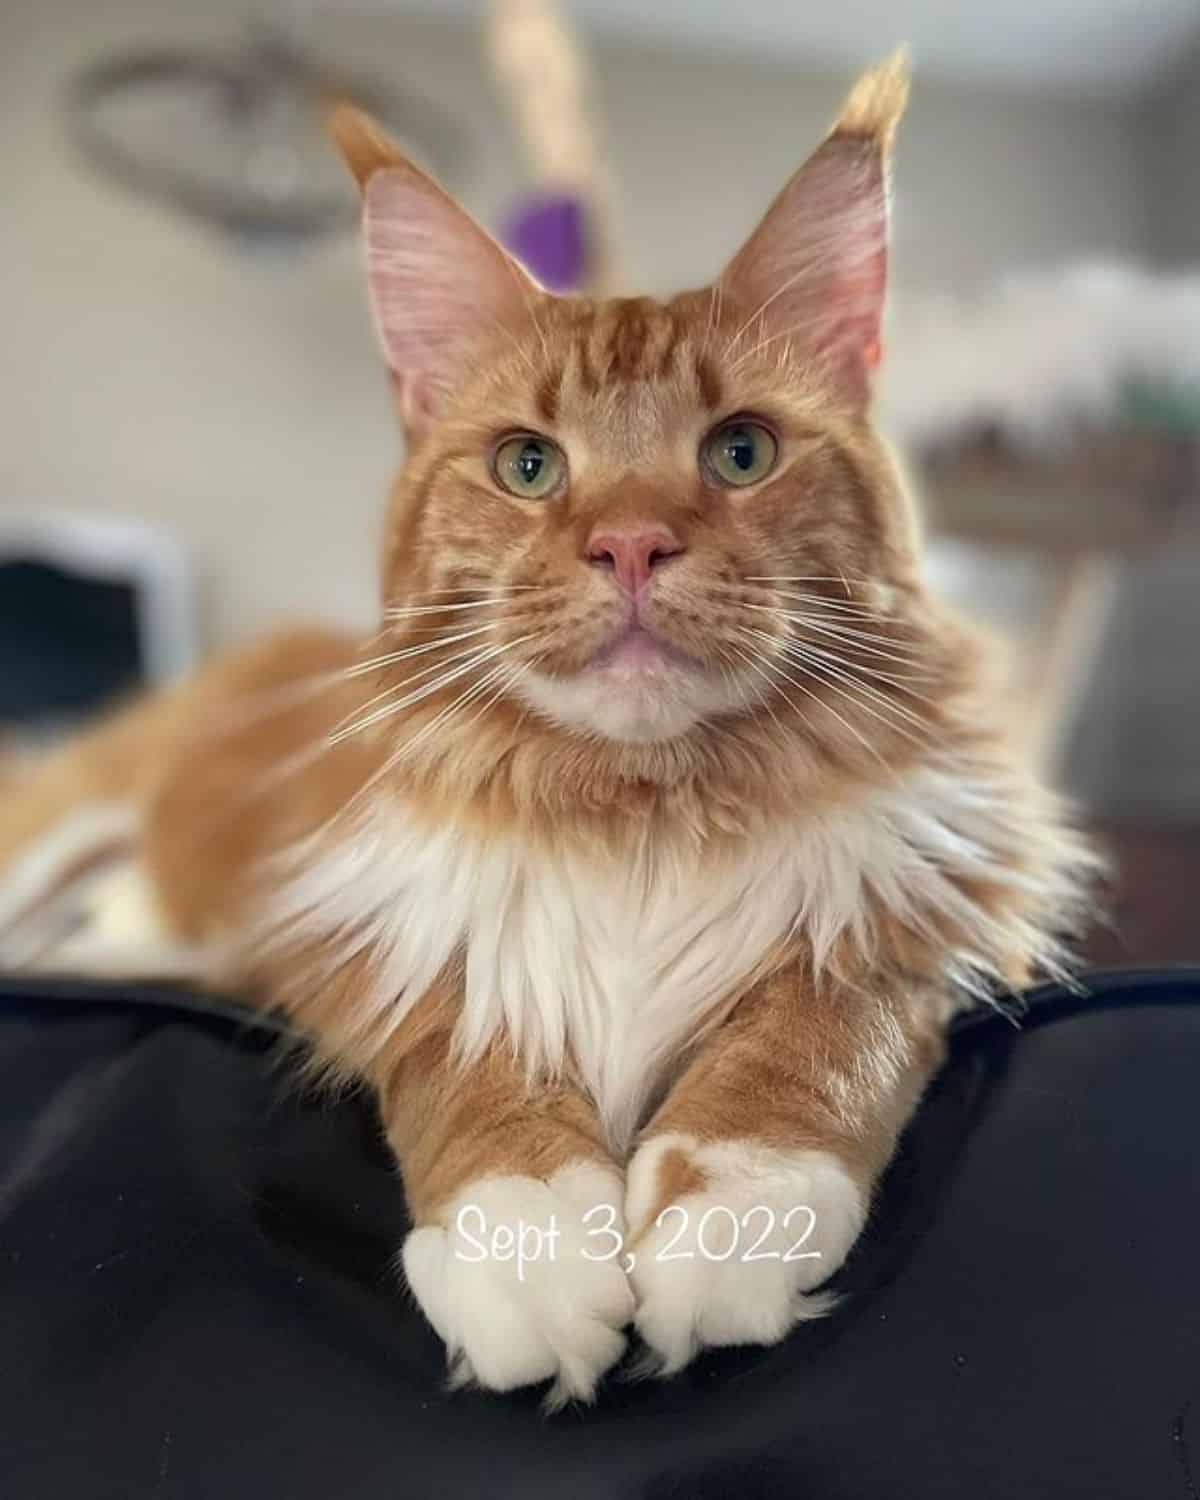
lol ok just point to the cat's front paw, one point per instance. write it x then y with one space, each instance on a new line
731 1237
522 1280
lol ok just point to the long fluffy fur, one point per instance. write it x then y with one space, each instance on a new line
705 908
618 963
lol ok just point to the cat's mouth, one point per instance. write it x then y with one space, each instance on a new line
636 650
638 686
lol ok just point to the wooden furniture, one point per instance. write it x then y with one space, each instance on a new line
1079 511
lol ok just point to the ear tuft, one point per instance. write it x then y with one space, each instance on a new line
877 101
813 275
365 146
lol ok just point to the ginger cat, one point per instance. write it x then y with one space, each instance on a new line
640 860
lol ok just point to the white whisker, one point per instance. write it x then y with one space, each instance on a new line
897 679
862 641
498 326
856 691
807 578
857 609
476 659
823 661
774 666
398 687
838 607
870 644
267 702
763 694
483 588
785 335
714 317
871 641
362 669
511 676
786 285
407 747
405 611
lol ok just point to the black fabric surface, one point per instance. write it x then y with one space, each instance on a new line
198 1302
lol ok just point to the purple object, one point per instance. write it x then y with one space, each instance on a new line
547 234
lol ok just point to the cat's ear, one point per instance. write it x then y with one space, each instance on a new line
812 276
437 279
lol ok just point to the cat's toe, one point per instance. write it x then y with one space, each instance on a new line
731 1239
521 1279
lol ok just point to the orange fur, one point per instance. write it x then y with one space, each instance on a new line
836 708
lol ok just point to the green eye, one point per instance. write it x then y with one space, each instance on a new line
529 466
740 453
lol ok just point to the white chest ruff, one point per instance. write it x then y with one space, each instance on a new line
613 965
617 964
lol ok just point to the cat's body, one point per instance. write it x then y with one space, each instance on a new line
640 861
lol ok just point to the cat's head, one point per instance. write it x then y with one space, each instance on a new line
639 518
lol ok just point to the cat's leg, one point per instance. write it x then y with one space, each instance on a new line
516 1252
754 1178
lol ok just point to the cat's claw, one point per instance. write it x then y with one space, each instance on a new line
735 1260
554 1312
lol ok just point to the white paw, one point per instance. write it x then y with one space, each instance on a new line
734 1260
521 1287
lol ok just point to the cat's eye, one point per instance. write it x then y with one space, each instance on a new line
739 453
529 466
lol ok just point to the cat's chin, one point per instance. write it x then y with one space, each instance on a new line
634 696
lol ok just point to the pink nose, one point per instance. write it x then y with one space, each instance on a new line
632 552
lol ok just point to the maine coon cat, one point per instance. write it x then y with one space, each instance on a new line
639 861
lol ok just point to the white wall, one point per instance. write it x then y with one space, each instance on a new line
984 181
149 370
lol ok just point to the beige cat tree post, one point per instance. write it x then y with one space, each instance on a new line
529 40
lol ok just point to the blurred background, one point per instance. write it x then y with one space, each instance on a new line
196 431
